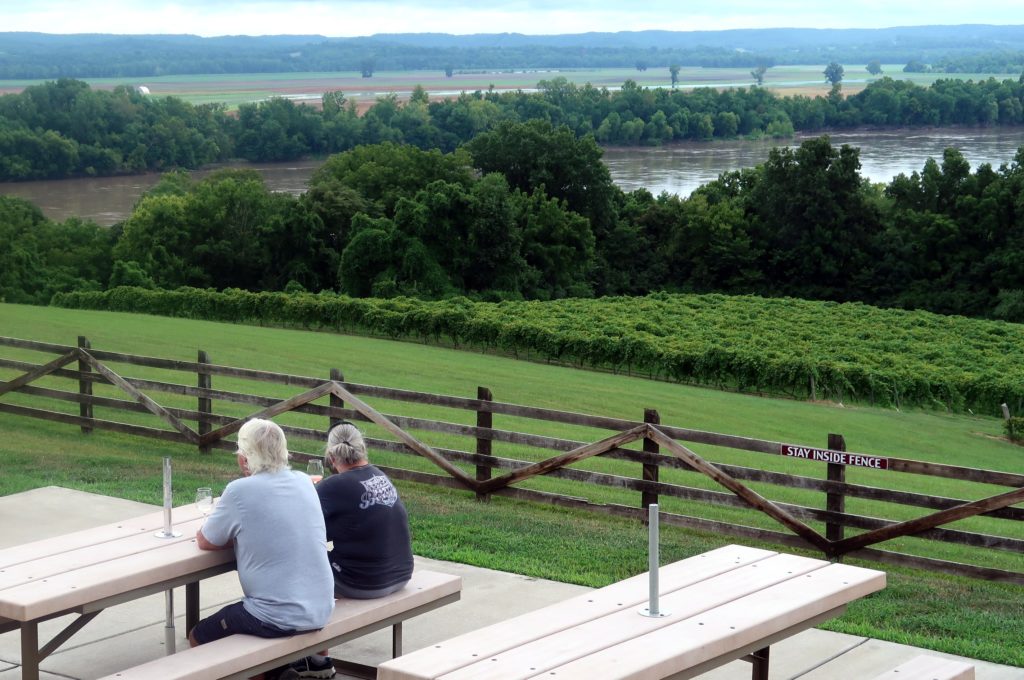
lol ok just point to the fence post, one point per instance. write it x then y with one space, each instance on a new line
484 419
84 387
648 498
204 382
336 401
835 501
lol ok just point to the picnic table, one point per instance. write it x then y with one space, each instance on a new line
726 604
87 571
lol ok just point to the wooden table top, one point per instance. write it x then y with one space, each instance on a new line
69 572
720 602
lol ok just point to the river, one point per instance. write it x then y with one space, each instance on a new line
678 169
681 168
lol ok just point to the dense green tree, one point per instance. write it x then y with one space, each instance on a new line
384 173
535 154
227 231
63 128
709 247
155 237
494 239
558 246
129 273
463 117
812 221
22 272
726 124
703 127
536 157
658 130
369 256
278 129
41 257
343 127
335 204
834 73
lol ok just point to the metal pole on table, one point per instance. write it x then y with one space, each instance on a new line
168 531
653 561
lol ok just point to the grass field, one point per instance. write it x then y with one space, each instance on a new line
235 89
956 615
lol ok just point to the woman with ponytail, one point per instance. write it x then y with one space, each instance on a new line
365 518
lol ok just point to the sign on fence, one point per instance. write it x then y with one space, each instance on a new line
829 456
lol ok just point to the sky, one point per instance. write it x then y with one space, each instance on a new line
342 18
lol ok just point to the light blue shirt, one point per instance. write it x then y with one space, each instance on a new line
276 523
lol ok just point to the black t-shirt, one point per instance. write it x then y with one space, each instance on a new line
368 524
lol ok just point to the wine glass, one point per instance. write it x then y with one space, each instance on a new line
204 500
315 469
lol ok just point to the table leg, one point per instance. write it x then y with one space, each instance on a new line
191 606
396 640
759 662
30 651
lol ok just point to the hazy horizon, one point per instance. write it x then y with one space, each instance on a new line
341 18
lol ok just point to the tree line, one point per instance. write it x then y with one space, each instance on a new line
64 128
529 211
995 61
45 56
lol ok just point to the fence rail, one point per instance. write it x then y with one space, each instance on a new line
664 468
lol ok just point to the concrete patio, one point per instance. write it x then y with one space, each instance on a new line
131 633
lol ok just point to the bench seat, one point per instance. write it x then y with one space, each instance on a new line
926 667
240 656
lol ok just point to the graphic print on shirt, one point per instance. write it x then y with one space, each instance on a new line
379 491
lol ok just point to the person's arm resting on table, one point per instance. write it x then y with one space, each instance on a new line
204 544
220 528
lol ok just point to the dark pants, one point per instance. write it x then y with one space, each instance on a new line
234 619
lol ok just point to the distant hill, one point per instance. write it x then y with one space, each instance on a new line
973 36
48 56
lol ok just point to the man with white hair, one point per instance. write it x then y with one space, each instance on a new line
272 518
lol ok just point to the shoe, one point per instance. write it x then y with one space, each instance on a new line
279 674
310 668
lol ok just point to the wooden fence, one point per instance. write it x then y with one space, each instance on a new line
657 467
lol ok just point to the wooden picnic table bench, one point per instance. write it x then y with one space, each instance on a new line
240 656
726 604
87 571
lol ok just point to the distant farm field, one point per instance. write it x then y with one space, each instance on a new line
240 88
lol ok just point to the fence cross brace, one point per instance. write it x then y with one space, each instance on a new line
644 431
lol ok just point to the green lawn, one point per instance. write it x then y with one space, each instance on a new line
978 619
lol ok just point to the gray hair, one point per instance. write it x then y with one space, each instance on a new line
264 446
345 445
